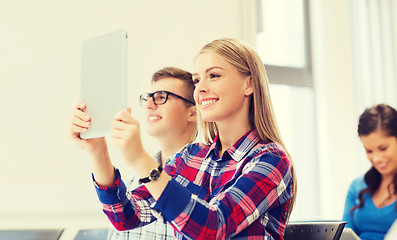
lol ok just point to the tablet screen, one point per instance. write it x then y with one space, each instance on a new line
104 80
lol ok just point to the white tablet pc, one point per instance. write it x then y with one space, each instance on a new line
104 80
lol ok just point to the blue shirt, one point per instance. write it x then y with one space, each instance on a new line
368 222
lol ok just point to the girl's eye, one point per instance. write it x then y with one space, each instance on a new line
213 75
369 151
383 148
195 81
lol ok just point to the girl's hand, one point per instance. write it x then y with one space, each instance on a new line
81 121
125 135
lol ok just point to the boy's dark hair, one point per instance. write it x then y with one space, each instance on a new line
173 72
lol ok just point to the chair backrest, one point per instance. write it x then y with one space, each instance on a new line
92 234
31 234
319 230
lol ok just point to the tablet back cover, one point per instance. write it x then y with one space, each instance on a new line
104 80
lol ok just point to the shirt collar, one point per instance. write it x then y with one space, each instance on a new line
240 148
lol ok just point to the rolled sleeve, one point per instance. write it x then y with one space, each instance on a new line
174 199
113 194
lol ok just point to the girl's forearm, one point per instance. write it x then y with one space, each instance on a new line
103 169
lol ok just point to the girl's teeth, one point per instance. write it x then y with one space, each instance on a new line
207 102
153 118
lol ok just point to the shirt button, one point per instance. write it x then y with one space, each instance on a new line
213 185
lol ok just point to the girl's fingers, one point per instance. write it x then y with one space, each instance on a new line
80 105
77 129
82 115
80 119
125 116
123 130
79 113
116 133
122 116
116 124
81 123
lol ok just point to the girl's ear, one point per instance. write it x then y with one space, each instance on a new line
192 114
248 89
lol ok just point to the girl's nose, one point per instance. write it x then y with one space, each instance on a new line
202 86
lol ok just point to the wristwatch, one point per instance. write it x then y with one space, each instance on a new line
153 175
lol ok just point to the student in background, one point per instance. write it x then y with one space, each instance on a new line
371 202
240 184
171 119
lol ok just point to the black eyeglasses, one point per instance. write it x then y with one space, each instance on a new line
160 97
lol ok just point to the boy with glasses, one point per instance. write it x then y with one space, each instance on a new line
171 118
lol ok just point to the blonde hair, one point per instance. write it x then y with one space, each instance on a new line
261 115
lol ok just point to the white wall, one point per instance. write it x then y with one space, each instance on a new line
393 7
335 103
340 92
41 170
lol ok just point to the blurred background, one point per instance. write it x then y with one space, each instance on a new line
327 60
